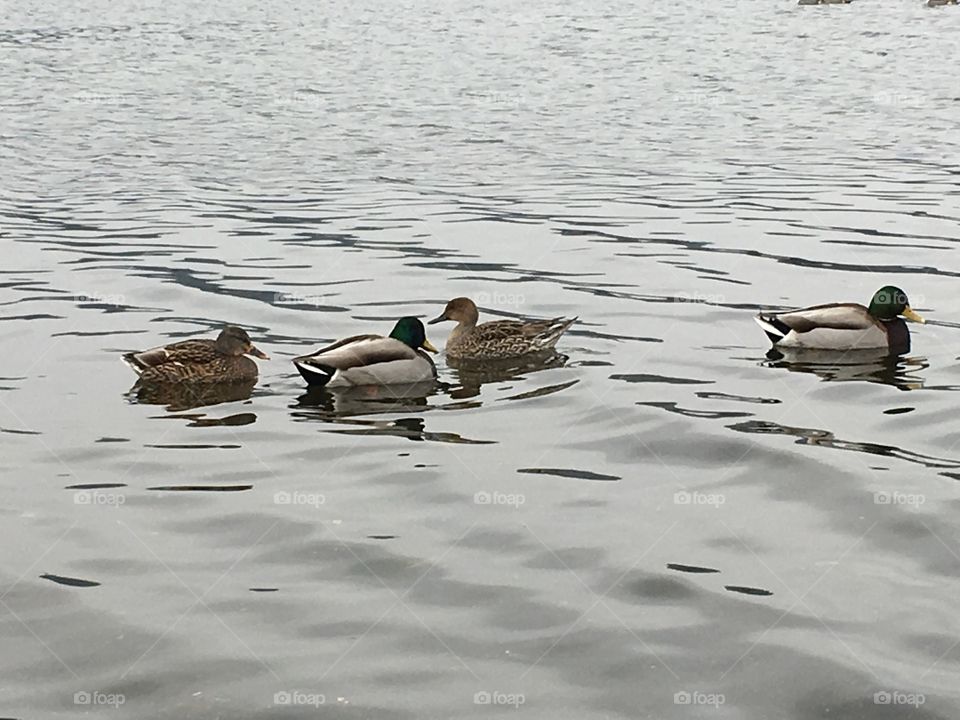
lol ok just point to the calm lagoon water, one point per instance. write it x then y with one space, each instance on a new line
668 525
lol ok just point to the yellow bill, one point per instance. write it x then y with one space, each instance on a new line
912 315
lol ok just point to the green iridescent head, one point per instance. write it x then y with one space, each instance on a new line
410 331
890 302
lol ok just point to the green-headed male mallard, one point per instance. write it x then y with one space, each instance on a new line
845 326
373 359
498 340
220 360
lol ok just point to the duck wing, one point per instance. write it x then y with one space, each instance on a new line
837 316
187 352
359 351
547 332
522 336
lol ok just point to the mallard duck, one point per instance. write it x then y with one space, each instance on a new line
499 339
373 359
845 326
824 2
938 3
220 360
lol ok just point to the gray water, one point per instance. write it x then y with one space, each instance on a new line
669 525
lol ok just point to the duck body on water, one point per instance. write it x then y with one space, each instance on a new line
500 339
372 359
221 360
845 326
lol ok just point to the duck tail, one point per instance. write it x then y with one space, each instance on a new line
555 328
315 373
775 329
131 359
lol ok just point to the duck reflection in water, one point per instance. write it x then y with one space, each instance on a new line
473 374
330 404
342 406
874 365
186 396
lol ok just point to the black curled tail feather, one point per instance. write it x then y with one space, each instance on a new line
774 327
316 374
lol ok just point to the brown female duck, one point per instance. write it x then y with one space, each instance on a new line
498 340
220 360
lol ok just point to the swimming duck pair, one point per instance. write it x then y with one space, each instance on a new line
400 357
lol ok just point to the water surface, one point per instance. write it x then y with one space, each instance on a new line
667 525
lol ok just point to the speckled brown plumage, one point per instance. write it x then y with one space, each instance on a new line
220 360
500 339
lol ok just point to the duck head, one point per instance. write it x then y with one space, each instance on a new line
461 309
234 341
890 302
410 331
